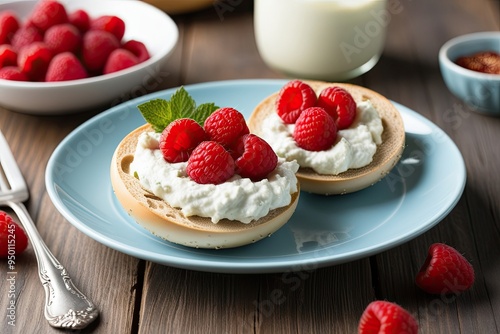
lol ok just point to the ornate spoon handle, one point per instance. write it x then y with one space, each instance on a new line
65 305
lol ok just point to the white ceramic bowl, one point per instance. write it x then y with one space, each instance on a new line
481 91
143 22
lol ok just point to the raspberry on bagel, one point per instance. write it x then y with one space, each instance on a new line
376 120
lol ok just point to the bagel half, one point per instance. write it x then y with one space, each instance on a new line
387 155
170 224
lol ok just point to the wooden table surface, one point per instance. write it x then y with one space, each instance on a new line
137 296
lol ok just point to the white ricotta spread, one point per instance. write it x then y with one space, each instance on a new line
354 147
236 199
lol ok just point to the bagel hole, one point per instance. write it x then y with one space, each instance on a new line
151 204
125 163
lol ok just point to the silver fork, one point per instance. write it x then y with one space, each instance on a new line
65 305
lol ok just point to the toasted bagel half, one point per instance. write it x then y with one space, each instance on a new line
387 155
166 222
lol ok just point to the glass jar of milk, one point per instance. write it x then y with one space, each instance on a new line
332 40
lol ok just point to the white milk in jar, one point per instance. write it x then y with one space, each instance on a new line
321 39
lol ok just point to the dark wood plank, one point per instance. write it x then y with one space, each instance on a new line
91 265
473 226
177 300
213 53
326 300
308 300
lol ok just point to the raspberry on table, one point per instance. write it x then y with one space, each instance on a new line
96 48
210 163
256 158
180 138
8 56
11 234
34 60
293 98
315 130
48 13
110 23
63 37
445 271
65 66
225 126
118 60
339 104
9 23
13 73
384 317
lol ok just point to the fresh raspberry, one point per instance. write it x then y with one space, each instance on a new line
138 49
256 157
8 57
25 36
445 271
180 138
34 60
9 23
109 23
118 60
339 104
225 126
13 73
65 66
48 13
97 46
210 163
293 98
13 239
80 19
382 317
62 38
315 130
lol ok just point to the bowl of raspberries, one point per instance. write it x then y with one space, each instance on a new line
66 56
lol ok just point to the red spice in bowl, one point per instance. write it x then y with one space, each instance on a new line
485 62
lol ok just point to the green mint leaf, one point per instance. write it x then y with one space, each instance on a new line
202 112
157 112
182 103
160 113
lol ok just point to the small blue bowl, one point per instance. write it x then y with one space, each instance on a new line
480 91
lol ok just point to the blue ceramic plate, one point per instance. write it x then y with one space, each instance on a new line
419 192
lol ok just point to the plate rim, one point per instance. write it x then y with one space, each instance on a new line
246 266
